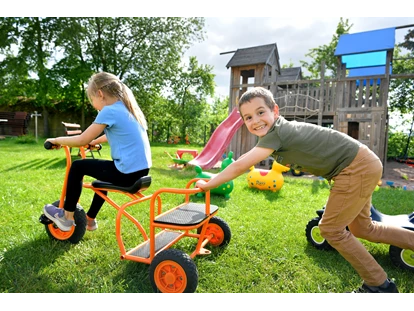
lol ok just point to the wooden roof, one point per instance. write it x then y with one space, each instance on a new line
290 74
254 55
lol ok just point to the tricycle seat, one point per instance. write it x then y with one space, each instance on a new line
140 185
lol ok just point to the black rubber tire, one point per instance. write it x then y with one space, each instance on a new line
296 172
313 235
402 258
173 271
73 237
220 229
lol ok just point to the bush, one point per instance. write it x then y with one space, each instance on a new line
26 139
397 144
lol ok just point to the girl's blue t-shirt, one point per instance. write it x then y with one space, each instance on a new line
128 140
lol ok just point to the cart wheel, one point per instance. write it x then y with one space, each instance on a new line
173 271
75 234
220 231
313 235
403 258
296 172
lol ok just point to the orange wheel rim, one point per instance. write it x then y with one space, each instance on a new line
170 277
217 232
59 234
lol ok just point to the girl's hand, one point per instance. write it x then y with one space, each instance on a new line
53 141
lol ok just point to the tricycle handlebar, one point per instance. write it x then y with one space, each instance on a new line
48 145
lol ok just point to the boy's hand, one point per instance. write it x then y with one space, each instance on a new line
201 184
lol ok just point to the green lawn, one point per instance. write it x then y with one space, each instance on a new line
268 252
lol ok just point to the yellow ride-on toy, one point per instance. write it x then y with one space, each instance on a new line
170 269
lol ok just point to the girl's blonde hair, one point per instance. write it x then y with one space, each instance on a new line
111 85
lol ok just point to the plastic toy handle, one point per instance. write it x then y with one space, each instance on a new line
48 145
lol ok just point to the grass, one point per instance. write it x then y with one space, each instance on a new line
268 252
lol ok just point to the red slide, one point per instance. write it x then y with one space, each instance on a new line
219 141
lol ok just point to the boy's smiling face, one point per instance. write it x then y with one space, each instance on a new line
258 117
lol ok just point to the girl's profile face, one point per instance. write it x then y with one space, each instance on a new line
258 117
96 100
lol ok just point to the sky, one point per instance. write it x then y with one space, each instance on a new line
294 37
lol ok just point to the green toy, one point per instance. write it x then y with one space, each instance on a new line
227 161
224 189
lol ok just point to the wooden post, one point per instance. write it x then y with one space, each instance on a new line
322 96
35 114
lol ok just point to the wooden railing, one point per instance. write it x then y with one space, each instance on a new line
309 98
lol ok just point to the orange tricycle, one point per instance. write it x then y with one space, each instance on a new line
171 270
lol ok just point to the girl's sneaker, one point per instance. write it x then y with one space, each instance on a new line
91 224
57 215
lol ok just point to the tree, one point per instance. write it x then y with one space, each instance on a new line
402 90
73 68
144 52
58 55
33 39
189 92
326 53
217 112
402 95
290 65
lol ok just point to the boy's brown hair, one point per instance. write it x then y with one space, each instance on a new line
261 92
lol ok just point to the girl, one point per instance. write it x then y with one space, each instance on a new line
124 127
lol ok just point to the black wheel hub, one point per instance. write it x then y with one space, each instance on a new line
44 220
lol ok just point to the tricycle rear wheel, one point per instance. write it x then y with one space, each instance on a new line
173 271
220 231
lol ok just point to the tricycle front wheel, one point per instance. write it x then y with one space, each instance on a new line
75 234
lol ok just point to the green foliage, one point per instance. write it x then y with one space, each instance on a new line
402 90
189 91
49 60
290 65
397 145
26 139
219 111
325 53
408 41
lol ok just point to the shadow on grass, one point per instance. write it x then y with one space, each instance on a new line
332 261
22 266
38 164
21 269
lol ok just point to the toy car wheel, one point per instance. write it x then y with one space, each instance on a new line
173 271
75 234
220 231
403 258
296 172
313 234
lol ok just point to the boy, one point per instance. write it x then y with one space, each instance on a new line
353 167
